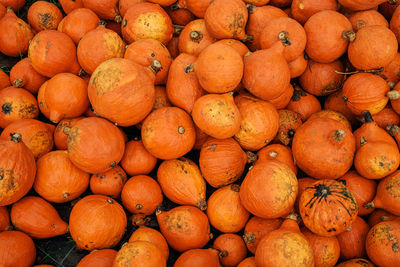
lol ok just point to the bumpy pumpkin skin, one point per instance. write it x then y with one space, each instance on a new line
289 121
151 235
139 253
43 15
98 258
198 257
23 75
322 141
327 208
17 249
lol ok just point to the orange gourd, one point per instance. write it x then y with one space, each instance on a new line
69 5
303 103
22 74
367 18
352 241
304 183
256 228
356 263
62 130
16 249
136 159
327 113
248 262
139 253
380 215
4 219
302 10
277 152
104 9
14 4
98 258
335 102
197 7
360 5
240 47
390 72
194 38
109 183
4 80
150 235
289 121
198 257
43 15
232 249
283 100
298 66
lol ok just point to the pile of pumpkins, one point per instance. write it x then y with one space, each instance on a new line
276 122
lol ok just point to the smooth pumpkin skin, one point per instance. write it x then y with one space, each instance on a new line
43 15
303 103
382 243
256 228
302 10
109 183
14 4
278 152
248 262
184 227
356 263
321 211
22 74
327 113
4 219
4 79
335 102
367 18
104 9
194 38
360 4
69 5
269 189
98 258
197 7
352 241
79 22
198 258
298 66
387 194
151 235
232 248
139 253
136 159
240 47
17 249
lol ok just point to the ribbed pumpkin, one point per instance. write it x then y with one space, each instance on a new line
16 249
104 9
16 104
323 148
122 100
198 257
139 253
277 152
303 103
62 130
232 249
145 51
222 161
69 5
153 236
287 240
382 243
194 38
37 218
260 122
15 35
328 45
183 87
96 214
289 121
36 135
109 183
327 113
168 133
43 15
52 52
97 46
95 145
23 75
181 181
356 263
98 258
269 189
4 219
184 227
352 241
17 169
302 10
136 159
327 208
256 228
158 26
217 115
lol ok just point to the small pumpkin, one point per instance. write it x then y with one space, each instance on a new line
104 9
277 152
4 219
98 258
302 10
298 66
22 74
356 263
16 249
327 113
303 103
232 249
390 72
367 18
151 235
194 38
380 215
394 96
43 15
289 121
62 130
335 102
41 100
136 159
198 258
69 5
139 253
256 228
109 183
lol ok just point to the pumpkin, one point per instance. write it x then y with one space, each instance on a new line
382 243
150 235
69 5
390 72
271 84
16 249
15 35
201 138
256 228
14 4
168 133
43 15
328 45
326 249
52 52
158 24
275 246
298 66
217 115
86 149
327 113
289 121
172 47
17 169
221 161
183 87
395 22
141 194
109 183
303 103
283 100
269 189
57 179
96 214
62 130
179 16
226 19
41 100
98 258
219 68
278 152
367 18
374 47
327 207
23 75
194 38
198 258
240 47
352 241
322 142
104 9
4 80
36 135
37 218
4 219
248 262
139 253
289 32
136 159
232 249
304 183
184 227
380 215
161 98
145 51
356 263
124 5
197 7
322 79
394 96
335 102
181 182
359 4
302 10
225 211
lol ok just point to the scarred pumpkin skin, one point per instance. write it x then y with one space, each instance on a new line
98 258
95 145
302 10
23 75
43 15
269 184
139 253
184 227
111 95
322 141
256 228
232 249
382 243
356 263
352 241
198 257
289 121
109 183
327 207
151 235
16 249
62 130
194 38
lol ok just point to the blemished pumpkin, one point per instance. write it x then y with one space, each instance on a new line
13 244
256 228
232 249
367 18
137 253
289 121
43 15
22 74
62 130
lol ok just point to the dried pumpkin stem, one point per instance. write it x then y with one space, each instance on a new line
392 129
19 83
202 204
102 23
248 39
273 154
249 238
283 36
339 135
393 95
16 137
196 36
349 35
350 228
189 68
251 157
66 130
369 205
363 141
235 187
155 66
293 216
251 8
223 254
376 71
181 130
118 19
393 2
367 116
66 195
175 6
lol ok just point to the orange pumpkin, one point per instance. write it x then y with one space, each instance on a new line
197 7
304 183
248 262
194 38
109 183
104 9
356 263
302 10
14 4
240 47
303 103
98 258
367 18
380 215
283 100
256 228
289 121
16 249
22 74
150 235
4 80
277 152
335 102
327 113
43 15
232 249
198 257
352 241
298 66
394 96
69 5
41 100
136 159
139 253
179 16
4 219
360 5
390 72
62 130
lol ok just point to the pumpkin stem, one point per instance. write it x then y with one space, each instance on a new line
19 83
393 2
9 9
369 205
293 216
251 8
384 218
174 6
297 94
367 116
223 254
177 30
6 108
102 23
376 71
251 157
391 85
181 130
196 36
392 129
235 188
211 236
16 137
249 238
110 201
155 66
139 206
140 220
393 95
189 68
82 73
66 130
202 204
349 35
113 164
159 210
363 141
350 228
248 38
339 135
273 154
118 19
247 54
284 37
66 195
